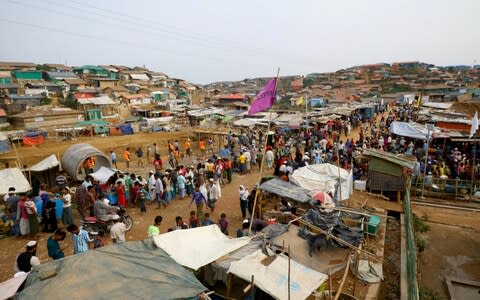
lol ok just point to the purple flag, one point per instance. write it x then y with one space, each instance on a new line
265 98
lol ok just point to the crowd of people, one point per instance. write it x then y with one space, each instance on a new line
204 175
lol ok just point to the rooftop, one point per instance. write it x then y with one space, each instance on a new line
47 110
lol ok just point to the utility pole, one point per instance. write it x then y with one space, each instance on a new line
430 128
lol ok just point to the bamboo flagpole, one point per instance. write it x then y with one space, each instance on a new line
263 156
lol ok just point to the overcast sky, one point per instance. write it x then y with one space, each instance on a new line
204 41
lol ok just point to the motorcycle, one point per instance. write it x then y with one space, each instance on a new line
91 224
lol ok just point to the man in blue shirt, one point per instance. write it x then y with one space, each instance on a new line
54 250
80 239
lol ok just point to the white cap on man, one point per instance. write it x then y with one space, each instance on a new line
115 217
31 244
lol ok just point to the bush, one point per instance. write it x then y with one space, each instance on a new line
419 224
428 294
421 243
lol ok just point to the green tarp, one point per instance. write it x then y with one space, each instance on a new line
132 270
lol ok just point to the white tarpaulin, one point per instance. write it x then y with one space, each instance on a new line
103 174
46 164
406 129
9 287
15 178
197 247
273 278
323 177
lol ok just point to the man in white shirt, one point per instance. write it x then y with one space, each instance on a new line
269 156
27 260
151 184
248 160
117 232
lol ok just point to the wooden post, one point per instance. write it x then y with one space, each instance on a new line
288 272
398 197
229 284
330 283
456 188
344 277
357 261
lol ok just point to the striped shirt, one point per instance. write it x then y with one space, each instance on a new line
80 242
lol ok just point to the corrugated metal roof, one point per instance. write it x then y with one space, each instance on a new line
102 100
140 77
19 97
10 86
396 159
61 75
5 74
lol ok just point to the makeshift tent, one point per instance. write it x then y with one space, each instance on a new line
103 174
5 145
273 278
131 270
48 163
46 170
13 177
197 247
323 177
330 259
407 130
286 189
33 140
73 158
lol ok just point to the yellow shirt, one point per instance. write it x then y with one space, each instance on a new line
242 159
209 167
187 145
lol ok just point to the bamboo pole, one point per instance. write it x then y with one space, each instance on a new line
330 284
263 159
344 278
288 272
357 261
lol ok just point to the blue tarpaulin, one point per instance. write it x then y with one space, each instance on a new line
5 145
126 129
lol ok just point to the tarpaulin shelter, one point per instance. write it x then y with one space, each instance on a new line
273 278
330 259
126 128
13 177
34 138
46 170
103 174
73 158
323 177
386 171
5 145
131 270
286 189
407 130
197 247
